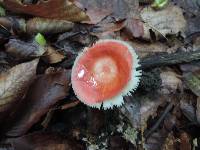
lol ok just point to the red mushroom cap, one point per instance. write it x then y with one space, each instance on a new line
104 73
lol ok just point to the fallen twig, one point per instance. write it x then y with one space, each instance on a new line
67 106
156 125
169 59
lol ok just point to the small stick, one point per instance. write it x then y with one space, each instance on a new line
66 106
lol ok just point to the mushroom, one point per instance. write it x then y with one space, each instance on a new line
105 72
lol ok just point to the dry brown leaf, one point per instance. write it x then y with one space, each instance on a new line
185 143
138 109
24 50
190 7
52 56
134 27
105 28
99 9
43 25
146 48
15 82
169 142
45 92
156 140
54 9
149 106
171 81
166 21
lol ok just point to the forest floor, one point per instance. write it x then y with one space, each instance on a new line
38 108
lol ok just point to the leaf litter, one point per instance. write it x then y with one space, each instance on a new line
35 84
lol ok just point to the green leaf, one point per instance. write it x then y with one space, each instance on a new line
2 11
159 4
39 38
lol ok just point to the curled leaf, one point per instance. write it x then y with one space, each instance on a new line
43 25
59 9
24 50
15 82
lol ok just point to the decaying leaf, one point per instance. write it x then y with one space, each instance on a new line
167 21
163 138
52 56
50 26
192 80
156 140
24 50
45 141
15 82
149 106
46 90
171 81
59 9
190 7
185 141
138 109
169 143
13 86
105 28
99 9
187 108
131 110
134 27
